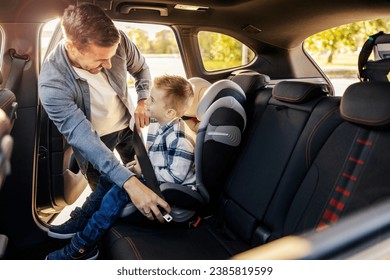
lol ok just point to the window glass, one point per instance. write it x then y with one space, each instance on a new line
336 50
220 51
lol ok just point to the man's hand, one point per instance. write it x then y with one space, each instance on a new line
145 199
141 118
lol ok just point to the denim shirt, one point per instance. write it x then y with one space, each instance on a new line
65 97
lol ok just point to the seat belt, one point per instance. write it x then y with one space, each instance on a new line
146 165
147 169
18 63
16 72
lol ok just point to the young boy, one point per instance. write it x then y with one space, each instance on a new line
171 150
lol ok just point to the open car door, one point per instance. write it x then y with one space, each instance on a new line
60 182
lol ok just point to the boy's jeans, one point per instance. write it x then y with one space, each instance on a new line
112 199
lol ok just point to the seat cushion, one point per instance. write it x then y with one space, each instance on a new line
168 242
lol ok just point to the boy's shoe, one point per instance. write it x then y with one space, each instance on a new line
71 252
67 230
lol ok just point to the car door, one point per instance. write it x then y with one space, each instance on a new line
59 180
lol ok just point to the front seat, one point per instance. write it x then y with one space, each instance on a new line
8 106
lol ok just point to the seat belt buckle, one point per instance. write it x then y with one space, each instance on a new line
167 217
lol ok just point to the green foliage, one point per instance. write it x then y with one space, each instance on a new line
164 43
345 38
140 38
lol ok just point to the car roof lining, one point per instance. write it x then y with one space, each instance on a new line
299 21
282 23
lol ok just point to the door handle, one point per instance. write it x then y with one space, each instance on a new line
126 9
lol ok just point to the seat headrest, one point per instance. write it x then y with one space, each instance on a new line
298 92
367 103
217 90
200 86
249 80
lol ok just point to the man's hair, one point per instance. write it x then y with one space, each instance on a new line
87 24
179 93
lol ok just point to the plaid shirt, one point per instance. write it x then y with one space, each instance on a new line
171 151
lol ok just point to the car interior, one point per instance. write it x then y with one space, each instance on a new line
285 168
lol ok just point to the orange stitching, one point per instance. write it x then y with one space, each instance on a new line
311 136
132 245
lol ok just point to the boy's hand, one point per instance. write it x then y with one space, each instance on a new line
141 118
134 167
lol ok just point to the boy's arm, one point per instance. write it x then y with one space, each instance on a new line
139 69
135 167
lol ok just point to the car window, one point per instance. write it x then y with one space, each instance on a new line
336 50
220 51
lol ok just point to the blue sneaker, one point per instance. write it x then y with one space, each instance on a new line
67 230
74 252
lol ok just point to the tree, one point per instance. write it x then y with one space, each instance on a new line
346 37
165 43
140 38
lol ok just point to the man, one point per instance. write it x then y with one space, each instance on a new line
83 88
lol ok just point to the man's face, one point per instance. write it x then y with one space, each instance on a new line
93 58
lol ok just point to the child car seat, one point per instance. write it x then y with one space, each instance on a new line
222 121
200 86
377 69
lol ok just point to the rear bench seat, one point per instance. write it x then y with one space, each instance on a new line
286 130
350 173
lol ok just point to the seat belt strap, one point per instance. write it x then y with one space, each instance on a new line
146 165
16 72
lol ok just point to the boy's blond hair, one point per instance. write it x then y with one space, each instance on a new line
179 93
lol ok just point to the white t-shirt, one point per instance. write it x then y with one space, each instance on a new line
108 113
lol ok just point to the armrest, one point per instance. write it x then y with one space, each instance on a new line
3 245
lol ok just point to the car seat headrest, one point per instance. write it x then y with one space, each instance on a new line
200 86
298 92
249 80
367 104
217 90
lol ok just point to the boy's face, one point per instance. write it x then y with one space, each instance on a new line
156 106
